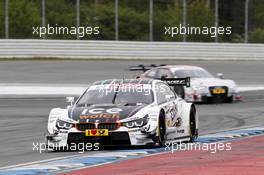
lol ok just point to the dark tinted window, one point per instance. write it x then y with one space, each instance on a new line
193 73
163 72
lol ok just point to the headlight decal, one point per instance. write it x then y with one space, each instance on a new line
63 125
129 124
137 123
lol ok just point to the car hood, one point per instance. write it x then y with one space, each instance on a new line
212 82
103 113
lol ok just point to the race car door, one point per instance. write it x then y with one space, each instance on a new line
168 101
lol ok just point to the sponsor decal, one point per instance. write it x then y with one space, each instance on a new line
103 110
101 116
96 132
173 111
101 113
178 122
181 131
168 123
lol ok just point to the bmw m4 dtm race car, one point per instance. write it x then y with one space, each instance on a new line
125 112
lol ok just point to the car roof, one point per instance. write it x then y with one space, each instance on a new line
180 67
124 81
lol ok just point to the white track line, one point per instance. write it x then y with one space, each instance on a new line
71 89
41 89
250 88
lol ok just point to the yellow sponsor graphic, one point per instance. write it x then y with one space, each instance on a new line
218 91
96 132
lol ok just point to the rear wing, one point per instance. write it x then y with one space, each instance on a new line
144 68
178 81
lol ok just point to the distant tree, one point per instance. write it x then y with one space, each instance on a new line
133 24
134 18
138 5
2 25
200 15
23 15
170 17
258 12
102 16
257 35
61 13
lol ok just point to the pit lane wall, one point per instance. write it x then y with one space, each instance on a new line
89 49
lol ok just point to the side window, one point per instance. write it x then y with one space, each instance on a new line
161 91
163 72
151 73
169 91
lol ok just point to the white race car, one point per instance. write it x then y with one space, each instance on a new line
125 112
204 86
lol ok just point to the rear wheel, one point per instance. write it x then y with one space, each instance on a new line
161 129
229 99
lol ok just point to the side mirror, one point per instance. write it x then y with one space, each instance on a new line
220 75
70 100
169 97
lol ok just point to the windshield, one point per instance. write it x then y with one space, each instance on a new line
193 73
117 96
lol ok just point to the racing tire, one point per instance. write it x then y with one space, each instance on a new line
229 100
192 124
161 129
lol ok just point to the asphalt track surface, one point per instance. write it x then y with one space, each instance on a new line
81 72
23 120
